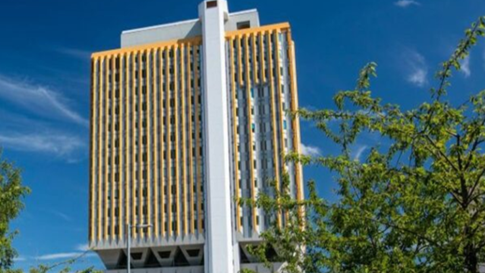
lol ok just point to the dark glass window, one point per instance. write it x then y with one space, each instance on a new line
243 25
211 4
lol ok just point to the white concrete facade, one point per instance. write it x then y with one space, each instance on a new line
218 248
184 29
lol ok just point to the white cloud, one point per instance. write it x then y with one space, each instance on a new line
56 256
417 69
418 77
79 252
465 67
39 99
20 259
310 150
82 247
406 3
65 255
359 151
57 144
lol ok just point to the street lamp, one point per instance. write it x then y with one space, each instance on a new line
129 226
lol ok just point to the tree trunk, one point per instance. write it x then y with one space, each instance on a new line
471 255
471 261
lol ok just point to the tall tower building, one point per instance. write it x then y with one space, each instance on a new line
187 118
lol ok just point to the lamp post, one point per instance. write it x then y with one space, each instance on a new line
129 226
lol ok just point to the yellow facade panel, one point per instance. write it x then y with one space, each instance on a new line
138 48
126 147
254 58
94 148
162 140
106 136
133 137
112 136
163 137
190 138
262 63
99 153
119 149
184 146
156 148
281 26
239 60
149 145
168 117
295 122
177 136
139 92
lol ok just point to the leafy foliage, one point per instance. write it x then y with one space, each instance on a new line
415 205
11 194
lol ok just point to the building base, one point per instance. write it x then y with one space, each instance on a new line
185 269
256 267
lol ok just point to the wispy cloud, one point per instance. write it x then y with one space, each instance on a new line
310 150
75 53
416 67
406 3
357 155
465 67
56 256
39 99
57 144
62 215
81 250
20 259
63 255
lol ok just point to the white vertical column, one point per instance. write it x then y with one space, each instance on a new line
218 249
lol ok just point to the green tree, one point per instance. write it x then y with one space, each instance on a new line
11 193
415 205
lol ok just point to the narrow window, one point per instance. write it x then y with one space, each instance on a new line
243 25
211 4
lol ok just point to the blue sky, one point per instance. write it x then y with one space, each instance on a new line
44 84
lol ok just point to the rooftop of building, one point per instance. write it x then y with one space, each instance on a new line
236 23
185 29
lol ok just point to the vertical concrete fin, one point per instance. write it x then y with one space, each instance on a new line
219 254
